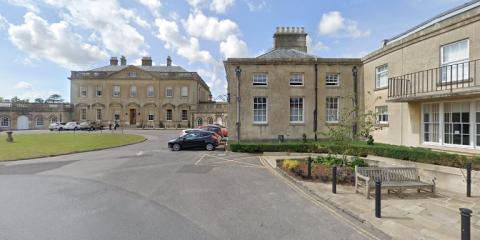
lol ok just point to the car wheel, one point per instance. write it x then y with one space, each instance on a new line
176 147
92 129
210 147
51 130
60 129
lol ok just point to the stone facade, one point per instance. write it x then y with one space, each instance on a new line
211 113
22 116
293 105
139 96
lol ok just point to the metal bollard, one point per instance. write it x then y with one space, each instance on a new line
469 179
465 214
378 198
309 170
334 179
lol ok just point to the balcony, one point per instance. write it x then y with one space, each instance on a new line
453 80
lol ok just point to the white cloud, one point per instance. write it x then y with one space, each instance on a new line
211 28
233 47
334 24
24 85
109 20
213 75
220 6
28 4
256 5
55 42
196 3
186 47
315 47
3 23
152 5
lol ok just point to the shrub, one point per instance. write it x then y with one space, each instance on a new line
290 164
276 147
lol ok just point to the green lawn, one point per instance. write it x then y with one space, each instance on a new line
50 144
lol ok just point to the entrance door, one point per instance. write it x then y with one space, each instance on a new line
22 122
133 116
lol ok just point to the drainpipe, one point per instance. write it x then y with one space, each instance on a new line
355 100
315 111
238 72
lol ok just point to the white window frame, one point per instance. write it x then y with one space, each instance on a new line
332 79
297 79
379 73
169 115
116 93
4 122
381 114
83 89
132 74
133 91
98 114
184 117
255 111
452 68
300 116
167 90
329 110
99 91
431 121
151 116
39 121
150 91
260 79
184 91
83 115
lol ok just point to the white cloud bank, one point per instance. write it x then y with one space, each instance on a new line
334 24
24 85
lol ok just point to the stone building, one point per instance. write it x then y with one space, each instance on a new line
428 79
139 96
289 92
22 116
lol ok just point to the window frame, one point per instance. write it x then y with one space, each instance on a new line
266 109
184 115
151 116
99 89
132 87
378 114
132 74
295 81
448 67
328 109
302 116
150 91
377 78
83 89
182 91
98 114
169 115
39 121
328 83
255 80
114 92
166 92
82 113
4 119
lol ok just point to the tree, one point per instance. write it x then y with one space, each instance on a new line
54 98
1 99
350 118
15 99
39 100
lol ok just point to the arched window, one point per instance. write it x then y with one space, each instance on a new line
39 121
210 120
4 121
53 119
199 122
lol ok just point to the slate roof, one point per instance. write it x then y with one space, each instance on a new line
116 68
285 53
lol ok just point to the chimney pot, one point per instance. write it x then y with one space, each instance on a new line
169 61
291 38
123 61
113 61
146 61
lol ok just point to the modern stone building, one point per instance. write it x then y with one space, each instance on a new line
140 96
22 116
289 92
428 79
423 85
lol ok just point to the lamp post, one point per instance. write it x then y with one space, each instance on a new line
238 73
355 104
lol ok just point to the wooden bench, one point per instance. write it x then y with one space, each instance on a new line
394 179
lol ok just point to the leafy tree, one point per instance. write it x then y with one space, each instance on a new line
39 100
1 99
54 98
15 99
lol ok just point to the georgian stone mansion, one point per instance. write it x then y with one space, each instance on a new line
144 96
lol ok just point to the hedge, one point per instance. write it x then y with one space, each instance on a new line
276 147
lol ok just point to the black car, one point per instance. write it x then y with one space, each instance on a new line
194 140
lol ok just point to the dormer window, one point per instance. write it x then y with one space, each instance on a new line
132 74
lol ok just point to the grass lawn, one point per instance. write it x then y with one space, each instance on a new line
51 144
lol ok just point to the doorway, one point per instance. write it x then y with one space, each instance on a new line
133 116
22 122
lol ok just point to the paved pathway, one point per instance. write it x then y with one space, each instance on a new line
145 191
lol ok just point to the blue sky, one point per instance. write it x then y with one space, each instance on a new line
42 40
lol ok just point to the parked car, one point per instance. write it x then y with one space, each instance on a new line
57 126
91 126
213 128
72 126
194 140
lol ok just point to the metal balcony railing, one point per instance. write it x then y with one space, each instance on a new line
452 78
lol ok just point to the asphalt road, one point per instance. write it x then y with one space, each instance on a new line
145 191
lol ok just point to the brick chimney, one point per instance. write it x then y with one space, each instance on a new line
123 61
146 61
169 61
290 38
113 61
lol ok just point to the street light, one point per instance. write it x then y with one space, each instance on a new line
238 73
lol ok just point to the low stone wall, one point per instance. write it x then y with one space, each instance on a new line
446 178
